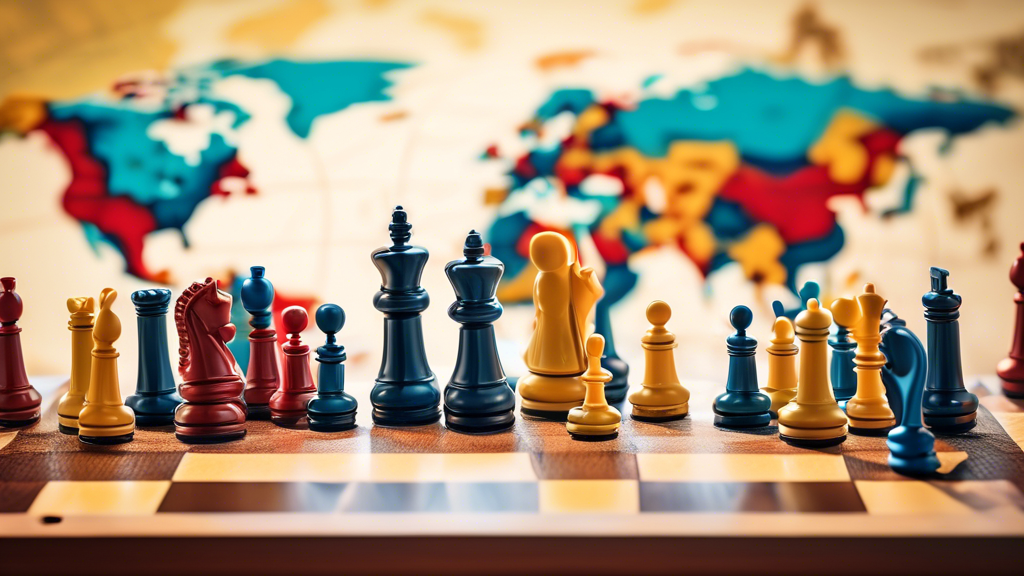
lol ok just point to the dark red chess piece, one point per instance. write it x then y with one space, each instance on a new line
212 384
19 401
263 377
1011 368
288 404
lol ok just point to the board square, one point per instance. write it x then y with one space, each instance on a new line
18 496
103 498
589 496
817 497
251 497
585 466
439 497
742 468
88 464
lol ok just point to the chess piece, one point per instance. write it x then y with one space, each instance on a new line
892 392
742 405
105 419
477 399
332 409
911 445
1011 368
662 397
781 388
406 391
948 406
263 376
843 376
213 409
595 419
813 419
615 390
807 291
563 296
288 404
156 395
868 411
19 401
71 403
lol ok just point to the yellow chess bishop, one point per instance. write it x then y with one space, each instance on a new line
80 325
105 419
662 397
563 296
868 410
814 418
595 420
781 387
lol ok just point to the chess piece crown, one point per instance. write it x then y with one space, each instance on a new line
401 269
257 297
475 281
330 319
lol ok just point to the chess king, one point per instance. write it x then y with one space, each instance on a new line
563 296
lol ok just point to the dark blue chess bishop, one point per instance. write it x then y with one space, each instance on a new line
478 399
406 391
948 406
332 409
156 396
911 445
743 405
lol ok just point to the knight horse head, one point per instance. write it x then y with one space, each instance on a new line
906 365
202 316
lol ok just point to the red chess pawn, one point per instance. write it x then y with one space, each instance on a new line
19 401
288 404
1011 368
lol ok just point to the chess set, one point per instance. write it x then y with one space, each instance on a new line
861 431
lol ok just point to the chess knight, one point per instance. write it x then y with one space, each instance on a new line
564 294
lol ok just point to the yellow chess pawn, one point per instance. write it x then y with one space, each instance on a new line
662 397
814 418
595 420
105 419
782 352
73 401
868 410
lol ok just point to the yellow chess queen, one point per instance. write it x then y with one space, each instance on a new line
105 419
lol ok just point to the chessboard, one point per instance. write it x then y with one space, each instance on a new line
675 497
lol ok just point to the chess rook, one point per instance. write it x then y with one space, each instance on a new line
406 391
477 399
156 395
595 419
332 409
782 351
661 397
843 375
742 405
288 404
615 390
105 419
813 419
263 375
71 403
1011 368
948 406
19 401
911 445
213 409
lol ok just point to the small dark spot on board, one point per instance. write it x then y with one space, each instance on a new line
52 519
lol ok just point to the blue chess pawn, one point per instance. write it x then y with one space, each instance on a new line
332 409
156 396
743 405
911 445
948 406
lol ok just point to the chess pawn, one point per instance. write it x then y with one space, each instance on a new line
662 397
71 403
19 401
948 406
868 411
781 388
406 391
615 390
332 409
742 405
595 419
105 419
156 395
477 399
911 445
1011 368
263 375
813 419
288 404
843 376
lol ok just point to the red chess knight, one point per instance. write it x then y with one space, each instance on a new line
19 401
288 404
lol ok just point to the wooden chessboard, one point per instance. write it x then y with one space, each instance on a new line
681 496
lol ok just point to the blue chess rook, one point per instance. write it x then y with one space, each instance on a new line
156 396
911 445
332 409
743 405
948 406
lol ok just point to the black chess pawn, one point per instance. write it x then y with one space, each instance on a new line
406 391
332 409
478 399
948 406
156 394
743 405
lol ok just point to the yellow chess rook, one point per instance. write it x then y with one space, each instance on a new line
80 325
595 420
781 387
662 397
868 410
813 418
105 419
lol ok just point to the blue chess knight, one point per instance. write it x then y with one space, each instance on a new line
478 399
911 445
406 391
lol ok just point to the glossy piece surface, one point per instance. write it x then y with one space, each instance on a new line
1011 368
288 404
661 396
156 394
782 351
263 375
911 445
948 406
332 409
19 401
80 325
105 419
595 419
742 405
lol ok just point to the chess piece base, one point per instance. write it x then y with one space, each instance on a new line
67 429
106 440
550 397
813 437
812 442
479 423
397 418
212 438
154 420
332 423
6 423
660 413
870 427
257 412
551 415
917 466
68 423
951 424
288 419
593 437
1013 389
742 420
154 409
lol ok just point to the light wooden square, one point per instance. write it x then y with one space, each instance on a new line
589 496
103 498
742 468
